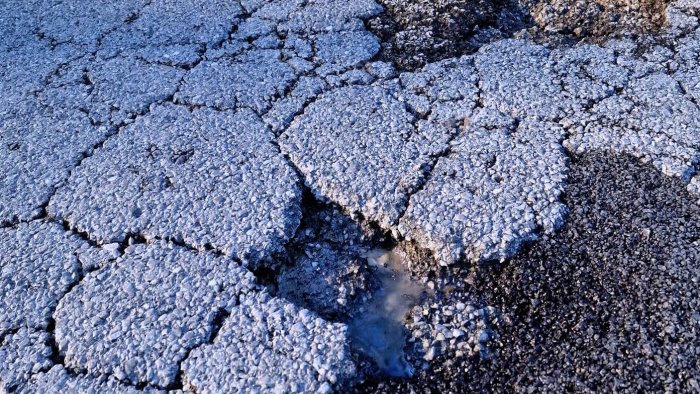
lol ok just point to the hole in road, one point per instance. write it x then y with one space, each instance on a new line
378 329
343 270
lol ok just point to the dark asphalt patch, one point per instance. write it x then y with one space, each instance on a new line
611 302
414 33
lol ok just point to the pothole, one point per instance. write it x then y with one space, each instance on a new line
340 270
609 302
401 316
378 327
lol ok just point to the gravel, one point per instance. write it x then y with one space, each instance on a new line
59 380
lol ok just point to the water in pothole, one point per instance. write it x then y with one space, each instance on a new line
378 329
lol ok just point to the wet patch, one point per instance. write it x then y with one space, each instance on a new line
341 270
609 302
378 328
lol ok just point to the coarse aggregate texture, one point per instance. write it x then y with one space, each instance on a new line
251 79
336 52
442 94
268 344
316 16
111 91
599 18
618 283
39 147
172 31
326 271
207 178
624 319
39 263
22 353
652 119
137 318
356 132
283 111
517 78
16 23
130 84
446 124
414 33
83 21
325 280
499 184
449 332
59 380
26 69
383 132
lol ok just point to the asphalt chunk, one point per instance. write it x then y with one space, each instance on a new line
414 33
176 174
271 345
22 354
137 318
38 264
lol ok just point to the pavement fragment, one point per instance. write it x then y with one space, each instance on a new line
138 317
38 150
22 354
498 186
208 178
359 147
59 380
252 79
268 344
38 264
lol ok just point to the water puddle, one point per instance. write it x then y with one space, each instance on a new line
378 330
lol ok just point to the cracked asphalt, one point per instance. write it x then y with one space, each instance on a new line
188 192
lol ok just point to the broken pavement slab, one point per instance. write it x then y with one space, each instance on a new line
498 187
269 344
22 354
59 380
207 178
368 148
137 318
39 264
252 79
358 146
170 32
38 150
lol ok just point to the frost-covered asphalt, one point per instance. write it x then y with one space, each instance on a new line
182 184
